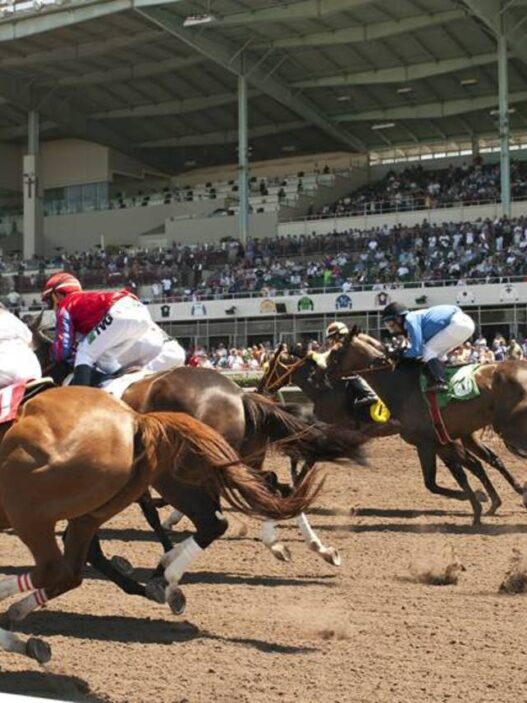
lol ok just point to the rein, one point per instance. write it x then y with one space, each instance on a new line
280 381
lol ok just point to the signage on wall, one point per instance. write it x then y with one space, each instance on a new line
268 306
343 302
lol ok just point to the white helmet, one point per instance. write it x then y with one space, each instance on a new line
335 329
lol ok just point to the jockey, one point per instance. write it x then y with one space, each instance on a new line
18 361
115 329
431 334
362 393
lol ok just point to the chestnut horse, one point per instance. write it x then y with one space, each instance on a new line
330 400
502 404
78 454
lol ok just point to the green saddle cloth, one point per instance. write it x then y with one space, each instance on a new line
461 384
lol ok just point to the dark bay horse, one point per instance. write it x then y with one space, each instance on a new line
78 454
502 404
249 422
330 399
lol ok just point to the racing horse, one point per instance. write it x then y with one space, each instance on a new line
330 398
249 422
78 454
502 404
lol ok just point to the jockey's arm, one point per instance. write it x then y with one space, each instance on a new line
64 342
415 335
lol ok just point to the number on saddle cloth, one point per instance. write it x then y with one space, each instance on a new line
461 381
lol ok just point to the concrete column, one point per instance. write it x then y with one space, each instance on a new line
33 215
243 157
503 87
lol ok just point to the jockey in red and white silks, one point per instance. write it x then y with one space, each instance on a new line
18 361
114 327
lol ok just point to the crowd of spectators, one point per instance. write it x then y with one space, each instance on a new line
387 257
416 189
257 357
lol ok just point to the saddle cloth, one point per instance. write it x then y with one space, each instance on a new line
15 395
117 386
461 384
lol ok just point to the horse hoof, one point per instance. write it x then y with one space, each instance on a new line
481 496
38 649
493 509
155 590
524 496
281 552
122 565
15 613
332 556
176 600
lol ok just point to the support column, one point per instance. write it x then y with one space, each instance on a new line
503 86
33 217
243 156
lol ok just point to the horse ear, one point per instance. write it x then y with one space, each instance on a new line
353 332
35 323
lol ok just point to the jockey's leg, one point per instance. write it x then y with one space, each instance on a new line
82 375
460 328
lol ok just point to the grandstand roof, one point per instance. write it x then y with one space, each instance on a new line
157 79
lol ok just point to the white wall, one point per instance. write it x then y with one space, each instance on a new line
468 213
212 229
67 162
122 226
479 295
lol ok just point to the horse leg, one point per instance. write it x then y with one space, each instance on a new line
454 463
173 519
268 533
203 509
472 464
482 451
125 582
152 517
428 461
329 554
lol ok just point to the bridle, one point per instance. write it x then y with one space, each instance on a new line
378 364
282 379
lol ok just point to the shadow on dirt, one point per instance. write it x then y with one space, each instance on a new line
403 528
119 628
47 685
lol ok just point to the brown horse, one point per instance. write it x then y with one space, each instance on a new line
249 422
331 399
502 404
77 454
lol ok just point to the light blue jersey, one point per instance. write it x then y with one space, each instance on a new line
422 325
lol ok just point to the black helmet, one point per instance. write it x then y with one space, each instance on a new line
394 310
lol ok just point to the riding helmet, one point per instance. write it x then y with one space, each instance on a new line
336 328
61 282
394 310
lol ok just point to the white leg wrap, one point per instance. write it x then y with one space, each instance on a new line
173 519
308 533
11 642
37 599
186 552
268 533
11 585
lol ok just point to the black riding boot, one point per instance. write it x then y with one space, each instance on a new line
436 376
361 392
82 376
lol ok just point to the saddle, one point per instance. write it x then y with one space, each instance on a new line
14 396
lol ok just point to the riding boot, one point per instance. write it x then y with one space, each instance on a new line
436 376
361 392
82 375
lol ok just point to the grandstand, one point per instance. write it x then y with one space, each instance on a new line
135 135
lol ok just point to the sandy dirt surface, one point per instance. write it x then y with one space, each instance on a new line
259 630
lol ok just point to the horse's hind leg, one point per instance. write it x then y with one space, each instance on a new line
483 452
428 461
204 511
152 517
475 467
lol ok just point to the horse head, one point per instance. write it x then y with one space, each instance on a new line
357 353
281 367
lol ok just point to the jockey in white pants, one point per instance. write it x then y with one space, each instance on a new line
431 334
105 331
18 361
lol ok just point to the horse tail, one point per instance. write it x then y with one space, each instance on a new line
311 440
199 455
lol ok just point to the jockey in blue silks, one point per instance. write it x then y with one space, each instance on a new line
431 334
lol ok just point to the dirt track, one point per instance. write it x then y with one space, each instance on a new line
258 630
